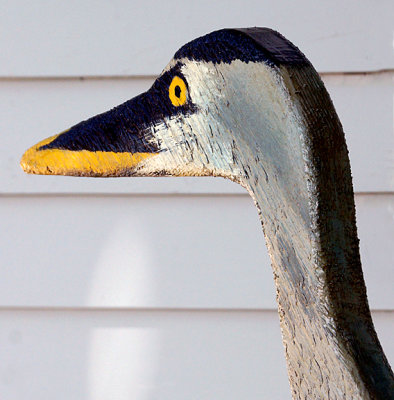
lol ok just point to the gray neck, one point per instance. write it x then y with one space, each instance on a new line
302 188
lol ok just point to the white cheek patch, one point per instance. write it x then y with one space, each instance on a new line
249 105
187 148
238 106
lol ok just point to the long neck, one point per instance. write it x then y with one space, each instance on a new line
302 188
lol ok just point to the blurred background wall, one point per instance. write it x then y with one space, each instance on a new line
161 288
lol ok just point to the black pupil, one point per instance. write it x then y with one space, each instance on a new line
177 91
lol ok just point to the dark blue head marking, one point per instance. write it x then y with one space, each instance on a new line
245 44
127 127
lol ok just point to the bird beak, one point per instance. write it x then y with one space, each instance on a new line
53 161
115 143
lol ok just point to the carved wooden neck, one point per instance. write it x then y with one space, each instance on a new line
308 218
259 114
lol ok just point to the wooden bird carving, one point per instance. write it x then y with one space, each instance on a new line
245 104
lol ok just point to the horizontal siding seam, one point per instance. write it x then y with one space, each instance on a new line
153 309
4 78
155 194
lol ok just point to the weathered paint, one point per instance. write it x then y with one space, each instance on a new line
257 112
78 163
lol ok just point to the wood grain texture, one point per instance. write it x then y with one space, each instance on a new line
262 119
326 278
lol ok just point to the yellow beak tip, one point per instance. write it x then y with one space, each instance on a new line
32 161
25 164
79 163
30 164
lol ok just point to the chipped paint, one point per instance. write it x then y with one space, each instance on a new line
265 120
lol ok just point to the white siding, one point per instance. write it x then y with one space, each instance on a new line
159 252
166 355
161 288
121 37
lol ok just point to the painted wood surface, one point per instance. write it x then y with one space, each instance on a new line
144 242
262 119
74 38
363 103
26 335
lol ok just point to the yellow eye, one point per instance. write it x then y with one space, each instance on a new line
177 91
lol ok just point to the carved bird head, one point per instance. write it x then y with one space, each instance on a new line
206 114
246 104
